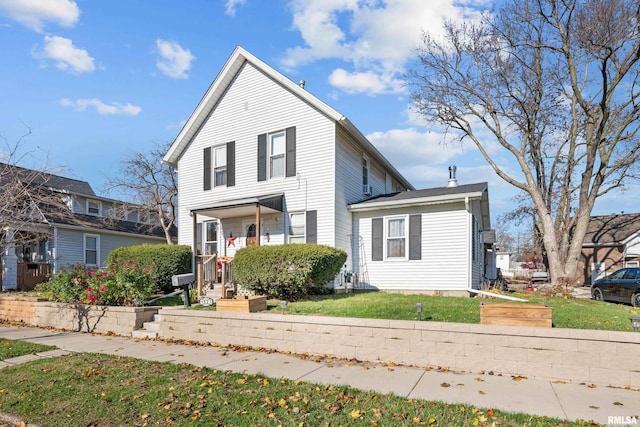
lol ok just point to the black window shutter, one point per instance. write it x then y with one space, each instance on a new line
415 237
207 169
231 164
312 226
291 151
262 157
376 239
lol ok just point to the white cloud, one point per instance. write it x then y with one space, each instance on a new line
174 61
101 107
368 82
409 147
231 5
67 56
375 37
35 13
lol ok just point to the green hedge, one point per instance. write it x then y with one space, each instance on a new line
289 271
159 261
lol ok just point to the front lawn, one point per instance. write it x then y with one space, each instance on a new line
101 390
572 313
11 348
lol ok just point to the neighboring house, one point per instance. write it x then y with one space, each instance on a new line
611 242
75 226
261 161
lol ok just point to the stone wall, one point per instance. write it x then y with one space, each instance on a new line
18 309
92 318
571 355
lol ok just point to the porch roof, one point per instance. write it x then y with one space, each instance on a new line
270 203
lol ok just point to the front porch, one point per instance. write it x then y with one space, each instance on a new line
222 228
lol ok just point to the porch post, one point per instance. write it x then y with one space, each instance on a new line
194 250
258 224
10 268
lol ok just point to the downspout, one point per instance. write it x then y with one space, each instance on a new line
55 250
470 261
469 240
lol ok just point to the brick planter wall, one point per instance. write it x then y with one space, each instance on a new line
18 309
571 355
92 318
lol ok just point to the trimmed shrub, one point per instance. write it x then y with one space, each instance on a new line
160 261
289 271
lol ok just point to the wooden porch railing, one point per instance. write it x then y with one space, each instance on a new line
32 273
212 270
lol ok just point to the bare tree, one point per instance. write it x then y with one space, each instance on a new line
556 84
27 200
149 182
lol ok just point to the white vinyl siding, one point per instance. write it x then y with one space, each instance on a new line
444 262
248 109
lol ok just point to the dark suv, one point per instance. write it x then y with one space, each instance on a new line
622 286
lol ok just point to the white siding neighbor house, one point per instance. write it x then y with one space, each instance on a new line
76 227
261 161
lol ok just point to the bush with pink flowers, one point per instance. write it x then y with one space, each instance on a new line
127 286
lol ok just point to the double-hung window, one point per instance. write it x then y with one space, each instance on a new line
220 165
94 207
297 227
396 237
91 249
277 150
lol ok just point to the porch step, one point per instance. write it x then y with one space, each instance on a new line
149 329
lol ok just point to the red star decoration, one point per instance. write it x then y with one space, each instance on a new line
231 241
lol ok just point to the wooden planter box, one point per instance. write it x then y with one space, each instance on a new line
241 304
516 315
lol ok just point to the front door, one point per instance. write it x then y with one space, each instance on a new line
250 233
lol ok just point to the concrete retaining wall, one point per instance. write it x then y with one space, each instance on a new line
571 355
92 318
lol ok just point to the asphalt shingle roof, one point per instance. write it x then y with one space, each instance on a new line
612 228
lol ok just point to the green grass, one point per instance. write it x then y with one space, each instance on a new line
567 312
12 348
101 390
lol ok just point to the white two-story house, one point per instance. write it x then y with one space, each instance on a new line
261 161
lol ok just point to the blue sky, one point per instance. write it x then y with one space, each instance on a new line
95 80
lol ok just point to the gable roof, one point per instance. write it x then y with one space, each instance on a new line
429 196
49 180
611 229
225 78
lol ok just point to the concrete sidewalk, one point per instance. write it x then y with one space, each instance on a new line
536 397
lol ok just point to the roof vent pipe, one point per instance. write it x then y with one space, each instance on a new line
301 83
453 182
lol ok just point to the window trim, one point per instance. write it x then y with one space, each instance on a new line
97 250
214 168
97 202
205 241
386 238
303 214
270 155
